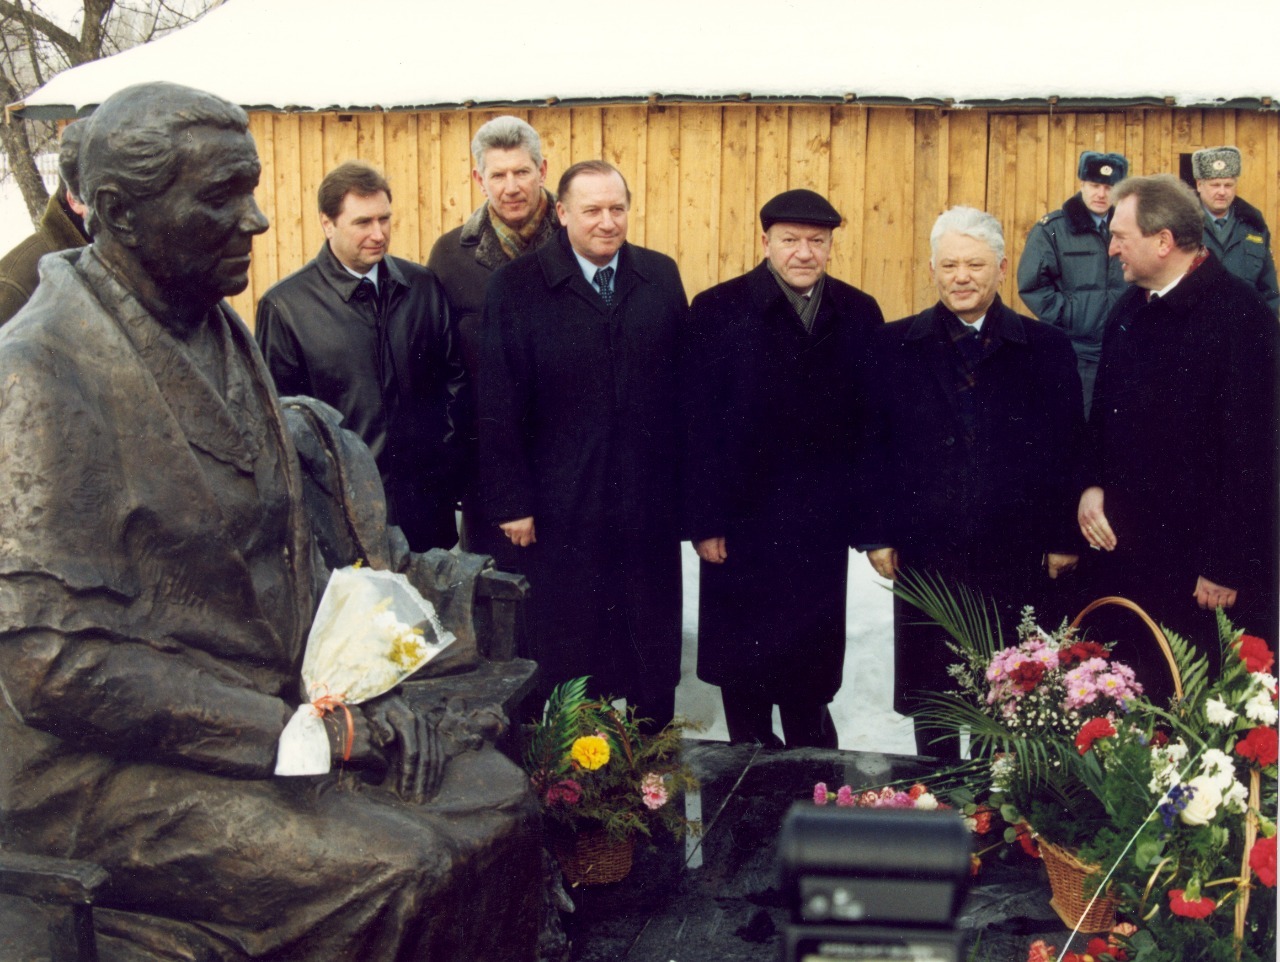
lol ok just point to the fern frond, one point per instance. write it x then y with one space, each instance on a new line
962 614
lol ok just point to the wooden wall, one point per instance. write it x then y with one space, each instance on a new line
700 173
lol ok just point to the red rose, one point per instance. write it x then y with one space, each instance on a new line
1259 746
1190 908
1027 675
1093 729
1255 654
1263 861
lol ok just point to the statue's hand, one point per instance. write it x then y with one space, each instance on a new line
415 759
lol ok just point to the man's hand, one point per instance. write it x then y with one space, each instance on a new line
885 561
520 532
1093 521
1060 564
390 737
711 549
1210 595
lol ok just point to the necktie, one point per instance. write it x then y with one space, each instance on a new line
366 290
604 281
1220 223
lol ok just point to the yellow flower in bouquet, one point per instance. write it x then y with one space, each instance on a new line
591 752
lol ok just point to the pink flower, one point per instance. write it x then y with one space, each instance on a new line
654 791
902 800
844 797
820 793
1040 952
565 792
868 799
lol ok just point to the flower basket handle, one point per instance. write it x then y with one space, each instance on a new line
1147 620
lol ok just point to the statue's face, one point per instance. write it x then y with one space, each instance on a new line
194 239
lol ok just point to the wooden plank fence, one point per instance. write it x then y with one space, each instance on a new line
699 174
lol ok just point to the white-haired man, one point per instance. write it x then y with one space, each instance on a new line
974 425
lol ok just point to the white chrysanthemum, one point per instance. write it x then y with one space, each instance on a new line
1219 767
1261 708
1216 710
1236 798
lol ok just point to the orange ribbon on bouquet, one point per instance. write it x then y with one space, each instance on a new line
329 703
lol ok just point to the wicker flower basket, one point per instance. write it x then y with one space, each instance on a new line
593 858
1067 875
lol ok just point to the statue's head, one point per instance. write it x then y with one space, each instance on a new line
167 174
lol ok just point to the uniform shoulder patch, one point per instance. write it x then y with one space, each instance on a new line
1255 238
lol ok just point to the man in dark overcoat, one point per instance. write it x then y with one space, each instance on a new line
973 443
579 443
518 216
1183 492
771 407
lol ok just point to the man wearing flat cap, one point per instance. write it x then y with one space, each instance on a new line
771 412
1066 276
1233 229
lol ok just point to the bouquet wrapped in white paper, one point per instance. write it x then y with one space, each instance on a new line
371 632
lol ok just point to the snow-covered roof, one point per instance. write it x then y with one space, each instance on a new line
404 54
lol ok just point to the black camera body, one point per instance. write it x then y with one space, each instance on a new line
873 884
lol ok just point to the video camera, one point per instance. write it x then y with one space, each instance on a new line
873 884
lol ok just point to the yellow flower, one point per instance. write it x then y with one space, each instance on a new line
591 752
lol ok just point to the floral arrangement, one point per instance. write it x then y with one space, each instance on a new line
1175 804
592 768
1028 707
1190 795
917 796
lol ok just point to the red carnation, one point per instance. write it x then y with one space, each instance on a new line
1081 651
1093 729
917 790
1255 653
1027 675
1259 746
1263 861
564 792
1190 908
1159 739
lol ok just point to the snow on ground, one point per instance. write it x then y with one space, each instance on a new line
863 709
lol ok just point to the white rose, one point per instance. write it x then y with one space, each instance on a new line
1216 710
1205 799
1261 708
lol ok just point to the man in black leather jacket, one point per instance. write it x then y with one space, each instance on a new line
372 335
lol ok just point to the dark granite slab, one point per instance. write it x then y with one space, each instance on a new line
719 899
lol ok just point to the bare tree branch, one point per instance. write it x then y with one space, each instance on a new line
34 47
